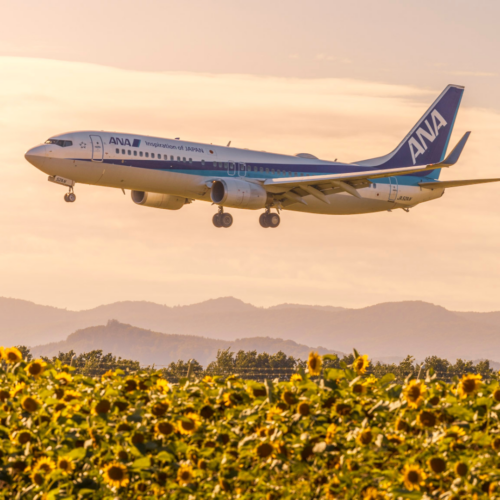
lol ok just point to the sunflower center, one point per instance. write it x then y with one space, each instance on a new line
185 475
469 386
63 464
414 393
115 473
35 369
188 425
413 476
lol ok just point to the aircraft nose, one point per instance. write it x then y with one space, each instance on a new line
36 156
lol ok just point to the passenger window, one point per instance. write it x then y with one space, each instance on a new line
135 153
129 152
272 170
147 155
140 153
190 161
171 158
202 163
262 169
165 157
178 158
184 159
123 151
117 151
267 170
215 164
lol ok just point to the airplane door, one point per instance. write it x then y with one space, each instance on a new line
231 168
242 171
393 188
97 148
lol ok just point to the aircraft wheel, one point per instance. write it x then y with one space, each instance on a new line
263 219
226 220
273 220
66 197
216 220
71 197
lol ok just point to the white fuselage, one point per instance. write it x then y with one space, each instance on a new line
186 169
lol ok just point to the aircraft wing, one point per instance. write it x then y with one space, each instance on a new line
449 184
294 188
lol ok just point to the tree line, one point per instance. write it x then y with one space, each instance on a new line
259 366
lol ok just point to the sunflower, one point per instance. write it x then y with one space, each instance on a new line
414 393
413 477
30 404
12 355
66 465
394 439
365 437
495 444
189 424
44 464
361 364
455 432
469 384
330 433
19 387
21 437
36 368
64 378
108 375
164 428
38 478
496 395
426 418
102 407
264 450
70 395
185 474
115 474
296 377
314 363
437 465
162 385
461 469
4 395
208 379
304 409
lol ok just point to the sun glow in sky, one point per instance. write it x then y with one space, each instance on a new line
104 248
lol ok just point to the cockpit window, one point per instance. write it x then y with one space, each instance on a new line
58 142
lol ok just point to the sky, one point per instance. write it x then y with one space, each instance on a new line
342 80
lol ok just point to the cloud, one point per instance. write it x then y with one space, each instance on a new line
104 248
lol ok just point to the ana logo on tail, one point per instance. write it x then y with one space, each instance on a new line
419 147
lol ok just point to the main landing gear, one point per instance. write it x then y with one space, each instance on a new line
222 219
269 219
70 197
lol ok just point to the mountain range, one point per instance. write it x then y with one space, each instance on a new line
386 331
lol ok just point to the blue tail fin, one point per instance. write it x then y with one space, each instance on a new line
428 139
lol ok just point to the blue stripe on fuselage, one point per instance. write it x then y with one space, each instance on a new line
269 170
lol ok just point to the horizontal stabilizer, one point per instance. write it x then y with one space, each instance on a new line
453 157
449 184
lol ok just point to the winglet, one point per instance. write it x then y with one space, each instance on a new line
453 157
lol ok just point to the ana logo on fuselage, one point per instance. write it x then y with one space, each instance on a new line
125 142
419 147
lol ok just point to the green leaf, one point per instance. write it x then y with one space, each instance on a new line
387 379
141 463
332 357
334 374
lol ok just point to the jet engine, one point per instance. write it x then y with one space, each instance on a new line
157 200
238 193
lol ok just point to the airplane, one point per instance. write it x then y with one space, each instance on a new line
170 173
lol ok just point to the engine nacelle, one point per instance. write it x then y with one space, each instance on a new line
157 200
238 193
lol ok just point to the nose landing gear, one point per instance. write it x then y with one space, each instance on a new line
222 219
268 219
70 197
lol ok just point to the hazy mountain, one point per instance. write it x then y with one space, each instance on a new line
149 347
389 330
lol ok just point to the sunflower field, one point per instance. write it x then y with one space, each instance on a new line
326 433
